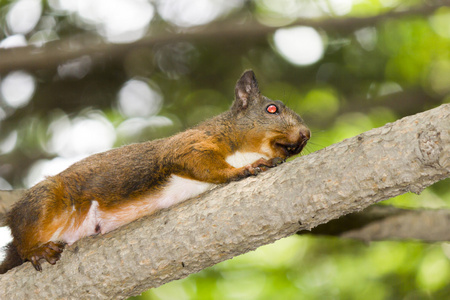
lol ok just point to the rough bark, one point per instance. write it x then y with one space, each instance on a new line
404 156
54 53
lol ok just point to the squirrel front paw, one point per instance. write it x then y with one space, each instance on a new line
261 165
50 251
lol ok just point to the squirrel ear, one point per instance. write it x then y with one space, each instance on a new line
245 87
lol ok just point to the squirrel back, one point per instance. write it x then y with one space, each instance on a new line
110 189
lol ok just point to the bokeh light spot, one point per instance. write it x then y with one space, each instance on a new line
133 127
17 88
299 45
9 142
119 21
438 79
137 99
76 68
367 38
440 21
186 13
24 15
4 185
46 167
17 40
81 136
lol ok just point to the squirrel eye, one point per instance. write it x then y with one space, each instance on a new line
272 109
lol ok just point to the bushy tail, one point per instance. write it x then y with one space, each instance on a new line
12 259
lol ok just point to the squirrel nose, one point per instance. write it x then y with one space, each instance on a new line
305 134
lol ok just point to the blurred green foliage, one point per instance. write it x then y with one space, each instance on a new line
321 268
368 76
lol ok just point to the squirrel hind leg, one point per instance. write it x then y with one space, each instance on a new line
12 259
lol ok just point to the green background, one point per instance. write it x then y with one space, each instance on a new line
374 70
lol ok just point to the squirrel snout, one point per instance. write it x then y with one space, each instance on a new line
303 137
293 143
305 134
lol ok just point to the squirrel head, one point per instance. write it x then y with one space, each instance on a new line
267 126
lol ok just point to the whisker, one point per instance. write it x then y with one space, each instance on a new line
316 144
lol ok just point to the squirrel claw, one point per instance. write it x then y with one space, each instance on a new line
265 164
35 262
261 165
277 161
50 251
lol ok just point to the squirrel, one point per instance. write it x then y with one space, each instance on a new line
107 190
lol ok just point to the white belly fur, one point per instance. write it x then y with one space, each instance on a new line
178 189
73 234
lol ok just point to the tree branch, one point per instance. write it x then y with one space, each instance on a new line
407 155
57 52
381 222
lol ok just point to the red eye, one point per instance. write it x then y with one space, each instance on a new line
272 109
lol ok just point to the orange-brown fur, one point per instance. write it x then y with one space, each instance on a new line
125 181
